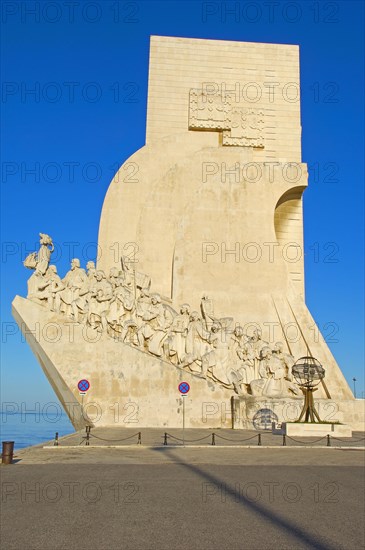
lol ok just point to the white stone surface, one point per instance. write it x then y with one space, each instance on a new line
125 388
211 205
320 430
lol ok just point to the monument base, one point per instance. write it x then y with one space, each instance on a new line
309 429
260 412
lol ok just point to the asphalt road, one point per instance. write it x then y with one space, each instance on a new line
167 500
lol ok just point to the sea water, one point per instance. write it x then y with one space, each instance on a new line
27 429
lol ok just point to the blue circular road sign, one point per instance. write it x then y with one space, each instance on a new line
83 385
184 387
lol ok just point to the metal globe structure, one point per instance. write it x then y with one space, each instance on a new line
308 372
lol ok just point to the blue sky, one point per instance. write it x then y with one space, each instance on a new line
87 64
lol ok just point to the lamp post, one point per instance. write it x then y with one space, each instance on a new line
354 381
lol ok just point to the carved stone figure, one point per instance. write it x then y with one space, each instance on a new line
286 358
272 381
207 309
175 347
54 287
90 271
153 331
257 345
258 384
99 302
37 285
120 309
196 343
217 359
114 278
74 281
238 340
40 260
243 372
133 279
127 272
142 303
44 253
288 361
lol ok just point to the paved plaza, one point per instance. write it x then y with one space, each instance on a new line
194 497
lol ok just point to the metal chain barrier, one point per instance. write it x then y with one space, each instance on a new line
86 438
306 442
186 440
118 440
213 436
239 440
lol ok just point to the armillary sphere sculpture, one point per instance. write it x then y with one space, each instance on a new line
308 372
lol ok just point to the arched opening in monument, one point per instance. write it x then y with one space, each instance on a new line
288 222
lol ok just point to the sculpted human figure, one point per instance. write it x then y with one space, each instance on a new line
238 340
128 275
143 303
90 271
243 371
257 385
196 343
272 372
74 281
207 309
286 358
217 359
175 345
133 279
44 253
114 277
288 361
40 260
153 331
54 287
248 363
85 290
120 309
257 345
99 302
44 289
37 288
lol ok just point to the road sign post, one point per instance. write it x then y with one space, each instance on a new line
183 398
183 388
83 386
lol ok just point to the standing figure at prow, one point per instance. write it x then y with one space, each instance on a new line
40 260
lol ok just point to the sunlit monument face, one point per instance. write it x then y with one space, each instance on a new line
212 206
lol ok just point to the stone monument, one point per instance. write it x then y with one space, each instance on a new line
200 276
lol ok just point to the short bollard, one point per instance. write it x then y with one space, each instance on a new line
328 440
259 440
7 452
87 435
139 440
55 444
165 439
284 440
213 438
